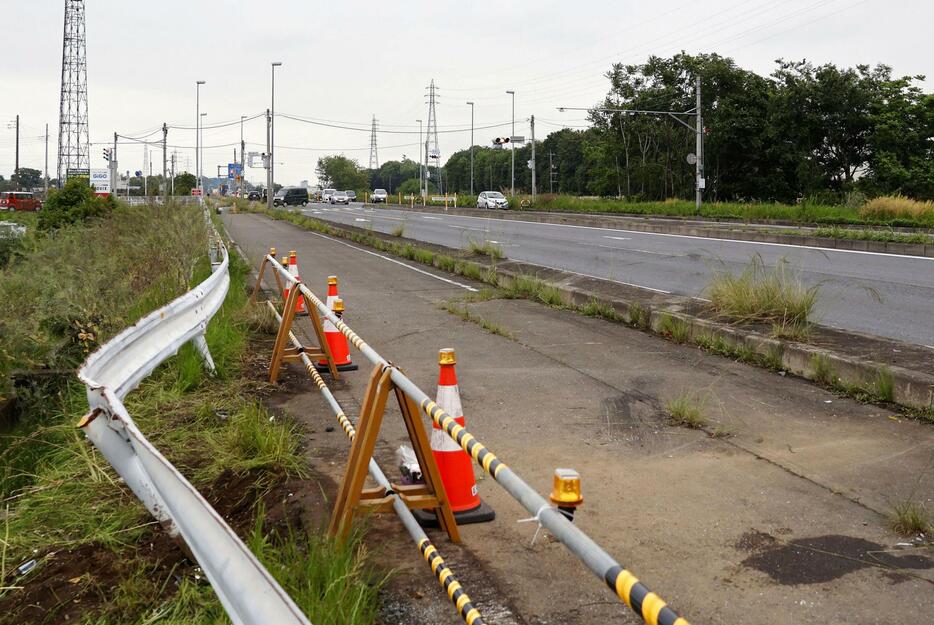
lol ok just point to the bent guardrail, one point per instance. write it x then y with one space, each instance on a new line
247 591
626 586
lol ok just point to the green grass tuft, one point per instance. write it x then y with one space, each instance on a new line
910 519
685 411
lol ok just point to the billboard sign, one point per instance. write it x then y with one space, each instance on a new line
100 180
196 191
77 171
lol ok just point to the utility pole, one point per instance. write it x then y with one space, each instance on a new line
272 138
174 158
242 156
471 147
165 167
420 147
113 168
268 155
46 161
16 168
145 177
551 173
533 159
699 164
198 137
512 143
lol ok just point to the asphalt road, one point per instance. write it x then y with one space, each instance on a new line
881 294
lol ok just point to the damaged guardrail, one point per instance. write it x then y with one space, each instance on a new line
626 586
247 591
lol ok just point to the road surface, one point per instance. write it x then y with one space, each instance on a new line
881 294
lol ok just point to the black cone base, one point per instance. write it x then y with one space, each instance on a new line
481 514
348 367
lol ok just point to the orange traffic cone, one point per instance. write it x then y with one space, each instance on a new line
293 270
332 292
340 351
286 283
455 466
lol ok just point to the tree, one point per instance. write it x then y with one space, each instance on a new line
184 183
340 172
27 178
74 203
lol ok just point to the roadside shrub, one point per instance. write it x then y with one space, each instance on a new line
776 296
74 203
897 206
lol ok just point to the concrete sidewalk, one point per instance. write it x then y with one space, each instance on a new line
781 522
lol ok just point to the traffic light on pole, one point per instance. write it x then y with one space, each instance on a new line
107 154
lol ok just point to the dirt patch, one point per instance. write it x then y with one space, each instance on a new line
822 559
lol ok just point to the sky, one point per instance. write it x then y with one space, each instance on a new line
345 61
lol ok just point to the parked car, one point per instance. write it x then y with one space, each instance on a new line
379 195
492 199
326 194
19 201
351 195
255 196
339 197
291 196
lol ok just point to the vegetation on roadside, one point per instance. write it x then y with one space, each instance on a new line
884 236
485 248
758 294
686 410
62 501
465 314
72 204
909 518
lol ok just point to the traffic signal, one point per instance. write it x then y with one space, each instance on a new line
500 140
107 154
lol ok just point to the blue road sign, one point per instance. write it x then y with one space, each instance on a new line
234 170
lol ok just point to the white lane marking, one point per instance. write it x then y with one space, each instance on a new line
430 217
638 286
398 262
690 236
465 228
361 219
630 249
619 238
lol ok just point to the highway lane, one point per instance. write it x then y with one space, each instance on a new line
880 294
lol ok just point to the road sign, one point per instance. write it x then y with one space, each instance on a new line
196 191
138 174
434 153
437 198
691 159
79 171
234 170
100 180
517 139
529 164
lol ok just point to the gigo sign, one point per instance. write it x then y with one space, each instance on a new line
100 180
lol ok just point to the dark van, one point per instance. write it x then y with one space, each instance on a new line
291 196
19 201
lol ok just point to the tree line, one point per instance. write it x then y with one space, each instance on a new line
804 131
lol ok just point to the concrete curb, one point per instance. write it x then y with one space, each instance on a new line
657 225
850 370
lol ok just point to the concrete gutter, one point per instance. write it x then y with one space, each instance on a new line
845 360
661 225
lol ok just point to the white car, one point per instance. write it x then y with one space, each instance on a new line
326 195
379 195
339 197
492 199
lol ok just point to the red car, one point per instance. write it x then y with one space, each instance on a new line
19 201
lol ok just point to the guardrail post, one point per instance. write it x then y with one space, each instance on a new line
202 345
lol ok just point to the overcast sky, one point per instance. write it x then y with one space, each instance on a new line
345 61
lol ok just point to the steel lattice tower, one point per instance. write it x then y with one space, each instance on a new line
374 159
432 151
73 151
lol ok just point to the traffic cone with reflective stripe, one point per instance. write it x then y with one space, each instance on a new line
454 464
332 292
293 270
286 284
340 351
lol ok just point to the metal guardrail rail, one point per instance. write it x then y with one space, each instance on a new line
245 588
626 586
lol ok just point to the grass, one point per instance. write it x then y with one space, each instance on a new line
910 519
823 370
885 236
758 294
884 385
685 411
398 231
674 328
891 207
465 315
485 248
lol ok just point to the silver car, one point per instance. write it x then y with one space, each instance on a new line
379 195
340 197
492 199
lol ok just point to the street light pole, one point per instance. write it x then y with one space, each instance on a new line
201 148
471 147
197 136
242 155
270 182
513 145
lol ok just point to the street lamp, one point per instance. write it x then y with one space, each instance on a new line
201 171
419 156
198 132
511 143
471 147
270 180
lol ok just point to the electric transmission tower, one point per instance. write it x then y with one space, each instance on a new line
73 108
432 152
374 159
